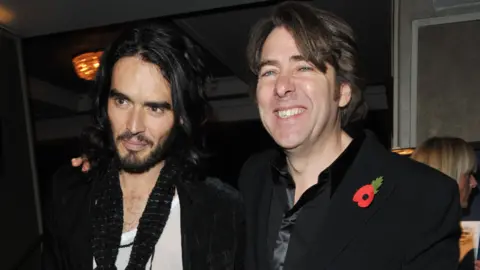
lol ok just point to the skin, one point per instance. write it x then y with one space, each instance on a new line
466 183
299 107
140 107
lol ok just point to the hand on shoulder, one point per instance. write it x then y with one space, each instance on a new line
81 161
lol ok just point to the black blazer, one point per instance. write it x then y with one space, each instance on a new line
212 221
412 223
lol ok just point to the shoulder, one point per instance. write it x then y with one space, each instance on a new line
404 171
67 178
259 160
256 165
65 197
415 183
221 192
66 186
428 193
421 176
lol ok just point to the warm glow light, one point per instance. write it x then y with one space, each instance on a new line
86 64
404 151
6 15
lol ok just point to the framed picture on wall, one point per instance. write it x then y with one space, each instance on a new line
444 78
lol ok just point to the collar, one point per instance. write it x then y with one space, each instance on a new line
334 173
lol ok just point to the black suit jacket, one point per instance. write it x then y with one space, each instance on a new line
212 221
412 223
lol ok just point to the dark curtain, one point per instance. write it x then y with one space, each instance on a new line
18 196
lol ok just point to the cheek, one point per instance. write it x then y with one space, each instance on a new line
319 95
116 118
262 99
159 129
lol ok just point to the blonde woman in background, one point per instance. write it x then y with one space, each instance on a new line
455 158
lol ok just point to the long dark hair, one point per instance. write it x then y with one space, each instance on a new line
180 62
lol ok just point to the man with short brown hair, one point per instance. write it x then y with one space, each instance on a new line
327 199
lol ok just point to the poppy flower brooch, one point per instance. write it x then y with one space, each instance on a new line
365 195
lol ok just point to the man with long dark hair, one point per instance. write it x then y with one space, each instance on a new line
146 203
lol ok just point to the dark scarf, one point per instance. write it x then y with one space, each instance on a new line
107 219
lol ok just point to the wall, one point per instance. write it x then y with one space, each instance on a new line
448 85
405 12
18 197
228 97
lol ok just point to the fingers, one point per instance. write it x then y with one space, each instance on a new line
85 166
77 161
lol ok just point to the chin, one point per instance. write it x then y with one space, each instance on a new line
288 144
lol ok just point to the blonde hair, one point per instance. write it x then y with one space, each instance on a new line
452 156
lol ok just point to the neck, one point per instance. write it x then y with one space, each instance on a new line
307 163
140 184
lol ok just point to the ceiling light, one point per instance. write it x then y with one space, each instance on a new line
86 64
6 15
404 151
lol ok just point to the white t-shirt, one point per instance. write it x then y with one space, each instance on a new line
168 250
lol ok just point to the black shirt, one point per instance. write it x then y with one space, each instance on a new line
291 227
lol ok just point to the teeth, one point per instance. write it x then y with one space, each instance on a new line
291 112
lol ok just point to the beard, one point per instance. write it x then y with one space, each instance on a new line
131 163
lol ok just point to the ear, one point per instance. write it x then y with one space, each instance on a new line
345 95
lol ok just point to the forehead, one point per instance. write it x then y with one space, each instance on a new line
279 44
139 79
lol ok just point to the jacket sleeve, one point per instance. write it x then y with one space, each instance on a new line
240 239
437 247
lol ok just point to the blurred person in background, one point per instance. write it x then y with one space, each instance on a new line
455 158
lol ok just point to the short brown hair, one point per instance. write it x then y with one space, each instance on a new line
321 38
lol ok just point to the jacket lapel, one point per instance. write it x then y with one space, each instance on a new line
189 215
345 218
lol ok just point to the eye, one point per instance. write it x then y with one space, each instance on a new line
267 73
157 110
305 68
121 101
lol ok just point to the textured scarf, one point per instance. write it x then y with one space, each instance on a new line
107 219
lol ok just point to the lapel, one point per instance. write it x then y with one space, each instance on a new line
345 219
262 219
189 204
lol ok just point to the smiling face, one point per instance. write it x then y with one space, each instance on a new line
140 113
297 102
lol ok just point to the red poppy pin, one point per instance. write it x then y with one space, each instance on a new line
364 196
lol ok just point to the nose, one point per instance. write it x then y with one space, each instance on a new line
284 86
135 121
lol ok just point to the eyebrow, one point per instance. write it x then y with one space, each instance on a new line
293 58
114 93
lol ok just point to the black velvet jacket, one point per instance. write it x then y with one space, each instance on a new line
212 223
412 223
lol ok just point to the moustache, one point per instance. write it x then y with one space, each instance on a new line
128 135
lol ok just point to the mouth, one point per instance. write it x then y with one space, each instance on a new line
134 145
287 113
